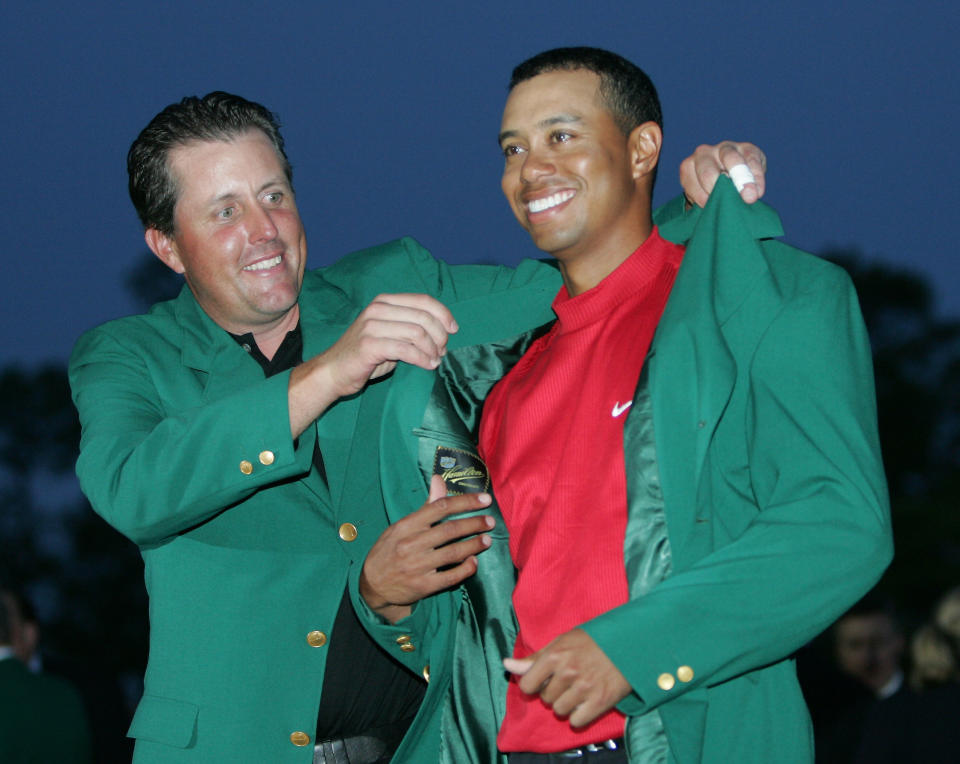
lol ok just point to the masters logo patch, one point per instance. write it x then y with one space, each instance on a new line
462 471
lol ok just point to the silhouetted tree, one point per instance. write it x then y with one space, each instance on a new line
150 281
917 364
84 575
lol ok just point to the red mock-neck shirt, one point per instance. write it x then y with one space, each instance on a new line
552 437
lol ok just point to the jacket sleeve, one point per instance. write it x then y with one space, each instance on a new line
819 534
153 469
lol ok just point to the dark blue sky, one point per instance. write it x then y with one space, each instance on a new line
391 112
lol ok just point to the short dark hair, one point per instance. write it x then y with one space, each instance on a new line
873 603
218 116
625 88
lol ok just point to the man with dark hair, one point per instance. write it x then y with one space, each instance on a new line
234 434
845 675
686 462
215 117
868 645
103 700
42 717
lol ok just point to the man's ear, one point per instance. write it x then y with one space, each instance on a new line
165 248
644 144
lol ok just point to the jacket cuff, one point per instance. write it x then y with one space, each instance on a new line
403 640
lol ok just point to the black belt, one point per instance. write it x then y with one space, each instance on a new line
589 752
362 749
613 744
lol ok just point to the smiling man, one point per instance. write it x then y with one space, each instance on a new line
686 461
234 434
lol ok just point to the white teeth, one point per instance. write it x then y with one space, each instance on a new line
539 205
264 264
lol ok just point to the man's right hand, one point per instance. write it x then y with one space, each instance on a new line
420 554
394 327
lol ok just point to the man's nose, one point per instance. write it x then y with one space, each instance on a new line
262 227
536 165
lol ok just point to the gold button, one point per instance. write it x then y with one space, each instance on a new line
684 673
665 681
245 467
426 673
348 531
316 639
300 739
403 639
266 457
407 647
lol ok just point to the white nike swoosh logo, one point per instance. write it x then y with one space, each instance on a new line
619 409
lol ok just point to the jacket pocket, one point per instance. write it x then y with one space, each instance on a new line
164 720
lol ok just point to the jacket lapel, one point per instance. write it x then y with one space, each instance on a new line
211 352
325 314
692 372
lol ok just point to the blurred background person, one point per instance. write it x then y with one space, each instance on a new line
922 724
100 691
41 717
868 645
857 664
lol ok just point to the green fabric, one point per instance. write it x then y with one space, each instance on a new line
757 504
240 568
42 718
464 634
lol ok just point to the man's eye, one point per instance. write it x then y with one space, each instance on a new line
226 213
561 137
274 197
509 151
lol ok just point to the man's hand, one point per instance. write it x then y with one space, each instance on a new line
420 555
573 676
394 327
699 172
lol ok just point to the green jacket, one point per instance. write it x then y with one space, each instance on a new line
757 503
186 450
41 718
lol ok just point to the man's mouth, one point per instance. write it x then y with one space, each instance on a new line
263 265
548 202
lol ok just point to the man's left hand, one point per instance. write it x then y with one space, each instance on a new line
699 171
573 676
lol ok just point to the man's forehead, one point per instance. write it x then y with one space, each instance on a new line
194 146
553 96
863 623
193 162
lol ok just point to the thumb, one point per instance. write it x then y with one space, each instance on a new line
518 666
438 489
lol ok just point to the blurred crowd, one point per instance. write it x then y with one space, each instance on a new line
878 695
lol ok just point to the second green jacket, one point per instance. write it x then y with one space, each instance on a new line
757 502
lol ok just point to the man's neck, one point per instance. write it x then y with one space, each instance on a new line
589 269
270 338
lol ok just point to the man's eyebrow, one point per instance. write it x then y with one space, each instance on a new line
558 119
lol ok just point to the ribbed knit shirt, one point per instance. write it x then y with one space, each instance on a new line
552 438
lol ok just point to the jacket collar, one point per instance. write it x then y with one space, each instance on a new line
722 282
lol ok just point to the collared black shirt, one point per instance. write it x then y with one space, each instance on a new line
365 691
